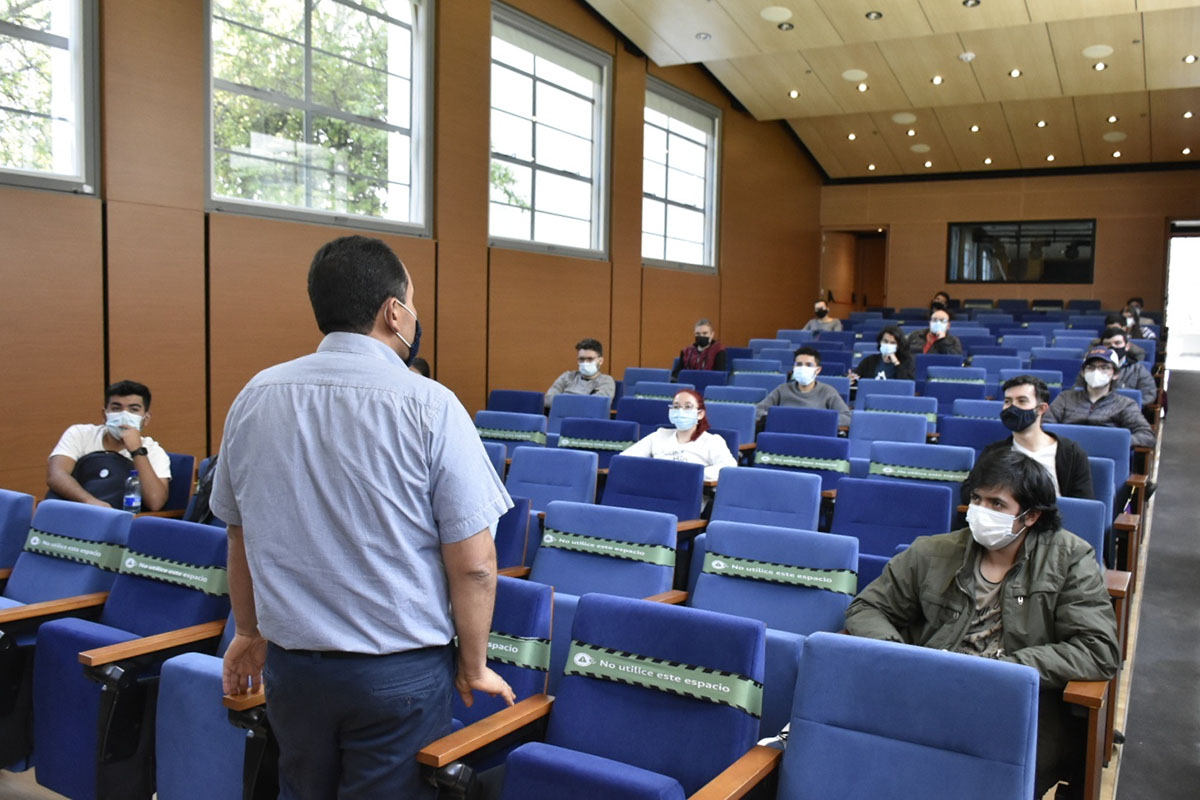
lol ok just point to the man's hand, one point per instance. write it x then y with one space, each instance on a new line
131 438
891 359
92 501
487 682
241 671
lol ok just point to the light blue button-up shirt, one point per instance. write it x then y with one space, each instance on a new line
348 472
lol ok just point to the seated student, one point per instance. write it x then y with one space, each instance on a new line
1118 321
90 463
1135 323
822 321
689 440
937 337
705 352
940 300
1130 373
804 391
420 366
1012 586
1099 403
894 361
1026 400
587 379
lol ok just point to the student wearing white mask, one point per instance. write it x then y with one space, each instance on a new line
1012 586
937 337
111 451
804 391
587 378
1098 402
893 361
688 439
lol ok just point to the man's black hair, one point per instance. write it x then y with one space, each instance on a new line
807 351
901 340
126 388
421 366
348 281
1114 319
590 344
1114 330
1028 481
1137 300
1040 389
944 294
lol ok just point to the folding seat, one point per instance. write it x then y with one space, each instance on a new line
588 406
733 441
809 421
511 429
972 339
655 484
1014 330
924 407
613 729
948 384
604 437
837 382
994 320
744 395
926 360
512 534
863 315
1069 368
1083 305
828 457
736 417
1151 348
833 351
16 511
869 386
973 350
1023 342
973 375
634 375
701 379
1052 378
1046 304
649 414
976 434
910 313
737 352
172 577
847 338
795 336
1011 305
1039 353
977 409
1078 344
756 366
758 345
836 366
884 514
657 390
867 427
937 464
768 497
516 401
1101 442
993 364
545 474
1134 395
1044 328
765 380
496 454
783 356
183 476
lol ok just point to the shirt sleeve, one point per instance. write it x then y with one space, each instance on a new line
719 360
1130 417
772 399
467 494
837 325
811 325
557 387
719 457
159 460
641 449
1057 408
606 386
71 444
839 405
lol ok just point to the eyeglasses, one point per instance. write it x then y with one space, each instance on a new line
675 407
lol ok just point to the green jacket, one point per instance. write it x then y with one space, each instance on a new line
1057 614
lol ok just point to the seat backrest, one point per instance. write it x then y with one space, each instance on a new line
16 512
758 345
825 456
768 497
604 437
496 454
883 514
655 484
1085 519
839 383
545 474
521 402
872 426
589 548
1104 442
993 364
870 716
701 379
657 390
794 335
1066 341
69 549
1151 348
809 421
974 375
634 375
783 356
735 417
647 413
947 393
183 473
609 712
589 406
1102 471
977 409
172 576
924 407
973 433
870 386
737 352
793 580
1039 353
1134 395
938 464
746 395
1012 304
1023 342
769 366
511 429
973 350
1052 378
1078 304
844 337
763 380
512 534
1067 367
926 360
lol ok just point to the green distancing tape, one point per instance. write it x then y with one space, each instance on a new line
710 401
612 548
98 554
520 651
663 397
210 580
516 436
593 444
928 415
838 581
758 372
917 473
958 380
803 462
698 683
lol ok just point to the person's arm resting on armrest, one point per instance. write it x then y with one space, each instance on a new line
471 574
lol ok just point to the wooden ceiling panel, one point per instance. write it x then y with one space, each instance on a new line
915 67
1059 137
992 140
1162 5
740 87
901 19
1170 37
1050 10
639 32
947 16
819 149
679 22
773 77
1125 67
811 28
1000 50
927 137
1132 110
1170 131
867 147
883 89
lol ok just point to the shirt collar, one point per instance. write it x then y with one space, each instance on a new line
359 344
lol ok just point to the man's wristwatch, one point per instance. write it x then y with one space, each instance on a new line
141 451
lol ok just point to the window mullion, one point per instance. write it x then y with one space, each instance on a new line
308 104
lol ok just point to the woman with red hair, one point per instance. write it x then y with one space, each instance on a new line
688 440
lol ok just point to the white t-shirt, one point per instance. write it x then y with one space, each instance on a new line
79 440
1045 457
708 449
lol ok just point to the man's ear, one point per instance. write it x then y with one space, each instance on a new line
818 372
1031 518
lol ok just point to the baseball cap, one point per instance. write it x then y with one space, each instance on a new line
1103 354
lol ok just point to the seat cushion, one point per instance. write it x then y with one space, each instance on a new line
535 771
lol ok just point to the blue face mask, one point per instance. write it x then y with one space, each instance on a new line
683 418
588 368
887 348
804 375
938 326
414 346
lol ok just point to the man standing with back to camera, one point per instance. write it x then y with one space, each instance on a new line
359 500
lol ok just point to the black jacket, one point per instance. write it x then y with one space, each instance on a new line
906 370
1070 466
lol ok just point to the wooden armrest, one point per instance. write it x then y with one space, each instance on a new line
691 525
1117 582
176 513
1089 694
741 776
245 702
829 494
933 437
672 597
843 428
485 731
710 484
50 607
1137 481
962 509
1127 522
514 572
150 644
1141 448
747 446
541 515
602 471
5 573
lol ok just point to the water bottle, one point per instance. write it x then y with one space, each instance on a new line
133 493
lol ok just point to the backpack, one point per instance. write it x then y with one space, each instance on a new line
102 474
198 510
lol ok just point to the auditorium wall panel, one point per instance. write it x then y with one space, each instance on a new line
672 301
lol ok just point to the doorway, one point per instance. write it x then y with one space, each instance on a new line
854 269
1183 296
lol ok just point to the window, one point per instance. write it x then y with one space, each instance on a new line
319 109
549 98
679 177
47 78
1042 251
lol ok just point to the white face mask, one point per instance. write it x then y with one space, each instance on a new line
116 420
1097 379
938 326
589 368
992 529
804 375
887 348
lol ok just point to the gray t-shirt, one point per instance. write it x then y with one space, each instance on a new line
822 395
985 635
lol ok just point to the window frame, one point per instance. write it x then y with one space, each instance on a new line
952 225
89 117
601 139
421 137
711 182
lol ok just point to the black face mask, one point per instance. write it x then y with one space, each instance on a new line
702 341
822 313
1018 419
1120 351
416 346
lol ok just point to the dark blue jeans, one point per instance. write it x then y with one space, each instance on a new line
351 726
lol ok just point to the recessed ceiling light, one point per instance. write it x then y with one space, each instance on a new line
1097 51
785 26
776 14
1099 66
1187 115
704 37
974 129
1014 73
1050 157
874 15
904 117
970 3
928 164
1190 58
871 167
987 160
851 136
1116 153
911 132
854 75
920 148
794 93
936 80
1041 123
966 56
1112 117
862 87
1187 151
1114 136
879 230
